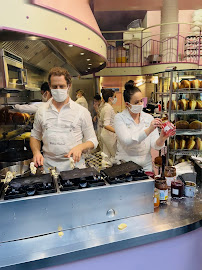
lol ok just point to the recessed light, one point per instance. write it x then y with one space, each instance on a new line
82 53
70 45
88 67
101 63
88 59
90 64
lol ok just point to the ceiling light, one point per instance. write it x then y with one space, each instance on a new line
88 67
70 45
82 53
90 64
88 59
101 63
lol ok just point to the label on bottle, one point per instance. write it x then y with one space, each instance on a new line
163 195
175 191
169 180
155 200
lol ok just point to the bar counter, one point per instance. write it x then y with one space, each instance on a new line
148 241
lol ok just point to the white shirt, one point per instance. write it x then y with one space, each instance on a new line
28 108
133 143
82 101
83 130
107 115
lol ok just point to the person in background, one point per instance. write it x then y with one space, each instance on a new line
80 98
32 108
96 104
107 114
61 124
137 131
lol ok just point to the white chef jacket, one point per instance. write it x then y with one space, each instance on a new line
107 115
82 101
28 108
83 129
133 143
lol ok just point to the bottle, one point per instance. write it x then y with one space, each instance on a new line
156 197
170 175
160 183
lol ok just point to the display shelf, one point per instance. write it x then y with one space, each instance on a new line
185 152
187 112
185 91
191 132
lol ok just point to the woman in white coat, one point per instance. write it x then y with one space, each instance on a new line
137 131
107 114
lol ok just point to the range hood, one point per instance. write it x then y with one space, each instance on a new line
44 54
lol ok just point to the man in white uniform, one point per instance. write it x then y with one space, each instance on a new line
32 108
81 99
62 125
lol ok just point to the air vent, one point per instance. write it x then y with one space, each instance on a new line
13 56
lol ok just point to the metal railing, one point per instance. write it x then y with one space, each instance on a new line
154 46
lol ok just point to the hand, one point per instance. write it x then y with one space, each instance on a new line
38 159
75 152
156 122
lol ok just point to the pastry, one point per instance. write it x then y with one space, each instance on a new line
175 86
170 162
173 105
185 84
198 144
199 104
173 144
195 125
190 144
183 104
182 144
182 124
192 104
195 84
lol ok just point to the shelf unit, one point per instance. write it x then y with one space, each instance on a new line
167 94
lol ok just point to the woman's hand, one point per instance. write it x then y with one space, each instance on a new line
157 122
169 134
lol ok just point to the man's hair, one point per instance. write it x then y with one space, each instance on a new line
97 97
45 87
79 91
59 71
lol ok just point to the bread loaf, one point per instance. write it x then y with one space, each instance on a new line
195 125
198 144
182 144
183 104
185 84
190 144
192 104
19 118
175 86
182 124
158 161
174 144
199 104
195 84
173 105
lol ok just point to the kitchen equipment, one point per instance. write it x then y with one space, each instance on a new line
12 156
68 209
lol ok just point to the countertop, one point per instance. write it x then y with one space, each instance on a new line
175 218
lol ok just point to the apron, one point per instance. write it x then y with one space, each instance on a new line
58 140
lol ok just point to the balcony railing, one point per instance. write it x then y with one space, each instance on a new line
154 46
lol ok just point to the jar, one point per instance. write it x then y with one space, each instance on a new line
170 175
160 183
190 189
156 197
177 189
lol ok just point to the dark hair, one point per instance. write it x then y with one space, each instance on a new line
107 93
80 91
129 84
45 87
59 71
128 93
97 97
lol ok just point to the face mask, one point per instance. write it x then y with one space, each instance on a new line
44 98
114 100
77 96
59 95
135 108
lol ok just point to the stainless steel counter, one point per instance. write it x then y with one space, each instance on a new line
175 218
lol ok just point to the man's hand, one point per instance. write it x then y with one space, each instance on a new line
75 152
38 159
